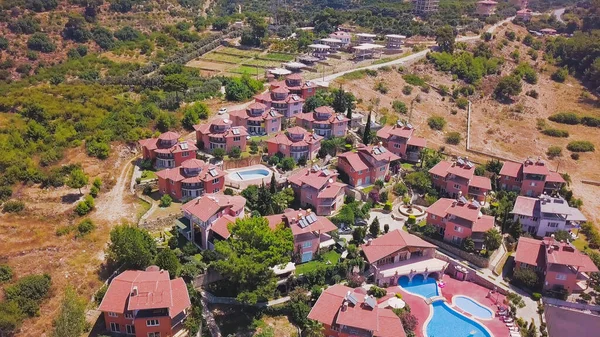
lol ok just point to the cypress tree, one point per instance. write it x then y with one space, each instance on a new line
367 135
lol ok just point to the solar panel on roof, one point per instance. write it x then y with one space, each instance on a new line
303 223
236 131
311 218
476 203
183 146
399 123
352 299
376 151
462 200
382 149
213 172
326 172
316 167
339 117
408 125
460 161
469 164
370 301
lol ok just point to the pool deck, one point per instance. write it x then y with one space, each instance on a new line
242 184
454 287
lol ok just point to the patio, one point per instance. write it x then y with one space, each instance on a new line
417 265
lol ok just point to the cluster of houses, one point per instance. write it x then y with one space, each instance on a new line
363 45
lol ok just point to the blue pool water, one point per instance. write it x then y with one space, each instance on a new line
446 322
249 174
419 286
473 307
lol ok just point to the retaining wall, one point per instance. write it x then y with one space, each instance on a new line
479 261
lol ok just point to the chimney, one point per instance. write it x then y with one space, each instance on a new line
308 211
300 216
454 203
550 249
134 291
380 143
344 305
369 241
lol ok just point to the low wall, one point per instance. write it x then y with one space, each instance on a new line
162 223
473 276
591 182
479 261
565 304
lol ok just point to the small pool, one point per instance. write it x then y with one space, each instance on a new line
447 322
420 286
472 307
243 175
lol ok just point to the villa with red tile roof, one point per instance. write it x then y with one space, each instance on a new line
524 14
545 215
221 134
166 150
205 219
324 121
257 118
399 139
296 86
398 254
366 165
287 97
559 264
345 37
346 312
530 178
486 8
309 230
145 303
452 177
459 219
318 189
190 180
296 143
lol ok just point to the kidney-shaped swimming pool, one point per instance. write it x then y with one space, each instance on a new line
472 307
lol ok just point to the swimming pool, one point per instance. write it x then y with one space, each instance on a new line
419 286
472 307
256 173
447 322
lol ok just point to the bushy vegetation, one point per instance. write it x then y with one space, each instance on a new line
556 133
453 138
574 119
465 65
21 300
436 122
580 146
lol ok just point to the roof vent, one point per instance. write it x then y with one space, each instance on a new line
369 242
134 291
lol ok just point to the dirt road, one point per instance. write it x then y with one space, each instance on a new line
115 206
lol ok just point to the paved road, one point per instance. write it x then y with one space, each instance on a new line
558 14
412 57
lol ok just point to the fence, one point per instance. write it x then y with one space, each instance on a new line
212 299
473 276
479 261
565 304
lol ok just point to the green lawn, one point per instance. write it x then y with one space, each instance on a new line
368 189
148 175
331 256
223 58
246 70
238 52
144 207
262 63
408 167
279 57
580 242
259 139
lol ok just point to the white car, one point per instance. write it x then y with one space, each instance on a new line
222 111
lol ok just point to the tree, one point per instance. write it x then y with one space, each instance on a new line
358 234
11 317
282 200
245 259
165 200
515 229
273 184
288 164
367 136
420 180
527 277
374 228
177 83
409 321
386 228
71 318
168 261
399 107
218 153
41 42
131 247
492 239
468 245
6 273
507 87
235 152
75 29
313 329
192 114
339 100
77 179
264 200
444 37
562 235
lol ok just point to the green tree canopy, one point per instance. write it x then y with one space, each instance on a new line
245 259
168 261
492 239
71 318
131 246
77 179
445 38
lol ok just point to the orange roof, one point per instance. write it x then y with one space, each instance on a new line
530 251
536 168
221 226
555 177
208 205
179 173
483 224
154 291
441 168
321 224
390 243
355 160
511 169
169 135
483 183
331 191
444 206
316 178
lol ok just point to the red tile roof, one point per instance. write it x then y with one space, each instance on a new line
257 106
314 178
535 168
221 226
280 90
179 173
530 251
555 177
328 310
322 224
357 162
154 291
462 171
511 169
417 141
483 183
332 190
294 76
444 206
286 139
389 130
325 110
525 206
390 243
441 168
206 206
566 255
378 152
483 224
169 135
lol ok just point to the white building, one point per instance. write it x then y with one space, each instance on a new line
545 215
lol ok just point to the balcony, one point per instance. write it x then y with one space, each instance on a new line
165 163
534 177
253 123
164 155
216 140
299 149
322 126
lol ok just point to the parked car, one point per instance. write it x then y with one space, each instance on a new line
222 111
360 222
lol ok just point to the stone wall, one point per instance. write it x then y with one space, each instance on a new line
473 276
161 223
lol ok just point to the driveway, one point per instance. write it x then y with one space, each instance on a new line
385 218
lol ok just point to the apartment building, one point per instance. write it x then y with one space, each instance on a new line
296 142
190 180
545 215
221 134
167 151
324 121
366 165
456 178
400 140
530 178
318 189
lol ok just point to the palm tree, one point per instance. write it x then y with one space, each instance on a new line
313 329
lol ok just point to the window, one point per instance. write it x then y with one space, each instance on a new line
273 129
236 139
506 177
458 229
307 244
152 322
532 184
561 277
114 327
457 186
396 145
129 316
113 314
433 217
153 334
130 329
185 153
382 169
216 181
552 224
172 182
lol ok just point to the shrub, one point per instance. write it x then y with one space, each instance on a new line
453 138
287 164
235 152
575 156
414 80
166 200
371 72
97 183
94 191
400 189
228 191
565 118
556 133
407 90
527 277
411 220
381 87
444 90
554 151
387 206
85 206
399 107
377 292
536 296
507 87
85 227
6 273
218 153
532 93
13 206
560 75
580 146
590 121
41 42
462 103
436 122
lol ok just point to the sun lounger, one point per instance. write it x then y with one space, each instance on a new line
510 324
508 320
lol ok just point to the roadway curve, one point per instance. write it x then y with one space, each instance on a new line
412 57
558 14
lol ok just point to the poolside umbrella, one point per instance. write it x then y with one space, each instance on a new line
396 303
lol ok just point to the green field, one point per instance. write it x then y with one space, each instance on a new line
238 52
263 63
223 58
331 256
246 70
278 57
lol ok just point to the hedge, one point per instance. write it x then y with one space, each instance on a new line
580 146
556 133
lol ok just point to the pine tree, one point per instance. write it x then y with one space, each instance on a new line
367 134
349 114
339 100
374 228
273 185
